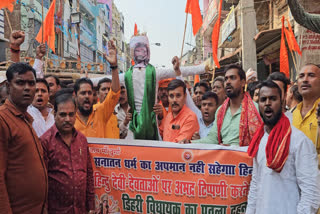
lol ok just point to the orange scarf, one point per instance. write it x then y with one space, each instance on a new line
250 120
277 148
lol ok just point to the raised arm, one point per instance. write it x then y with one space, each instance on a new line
112 59
38 63
16 39
184 71
307 20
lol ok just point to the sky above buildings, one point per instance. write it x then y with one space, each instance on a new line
163 21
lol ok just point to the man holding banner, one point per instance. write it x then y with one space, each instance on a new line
180 123
68 162
285 175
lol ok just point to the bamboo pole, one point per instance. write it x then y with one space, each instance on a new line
9 23
46 61
42 19
184 34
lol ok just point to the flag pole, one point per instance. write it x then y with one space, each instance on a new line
46 61
184 34
294 60
9 23
42 20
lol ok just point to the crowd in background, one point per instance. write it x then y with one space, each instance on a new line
44 125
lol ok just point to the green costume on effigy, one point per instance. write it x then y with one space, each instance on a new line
143 124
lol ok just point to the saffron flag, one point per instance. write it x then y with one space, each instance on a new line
196 79
291 39
284 60
135 29
48 28
7 4
215 37
193 8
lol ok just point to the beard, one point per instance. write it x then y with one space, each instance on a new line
272 121
235 93
85 112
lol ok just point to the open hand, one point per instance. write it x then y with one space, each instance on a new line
16 39
176 65
128 117
184 141
112 57
195 136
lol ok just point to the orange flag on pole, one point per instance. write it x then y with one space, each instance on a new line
291 39
7 4
48 28
284 59
215 37
196 79
135 29
193 8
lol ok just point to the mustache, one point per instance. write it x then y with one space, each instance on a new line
268 109
174 104
67 123
303 85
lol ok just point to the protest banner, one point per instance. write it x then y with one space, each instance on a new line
161 177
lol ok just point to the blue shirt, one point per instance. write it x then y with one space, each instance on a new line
204 130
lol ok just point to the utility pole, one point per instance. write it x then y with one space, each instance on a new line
248 32
31 34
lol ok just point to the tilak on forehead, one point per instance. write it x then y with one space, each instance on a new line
140 50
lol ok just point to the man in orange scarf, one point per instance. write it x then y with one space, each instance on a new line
237 119
285 175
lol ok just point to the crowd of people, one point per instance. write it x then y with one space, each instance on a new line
45 164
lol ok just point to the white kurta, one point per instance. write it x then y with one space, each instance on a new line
295 190
38 66
40 125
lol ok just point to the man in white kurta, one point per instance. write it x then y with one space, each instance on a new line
293 189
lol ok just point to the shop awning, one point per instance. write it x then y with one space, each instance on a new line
268 42
232 58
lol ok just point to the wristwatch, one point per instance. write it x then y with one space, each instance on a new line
113 67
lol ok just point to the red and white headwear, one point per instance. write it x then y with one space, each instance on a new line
251 74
